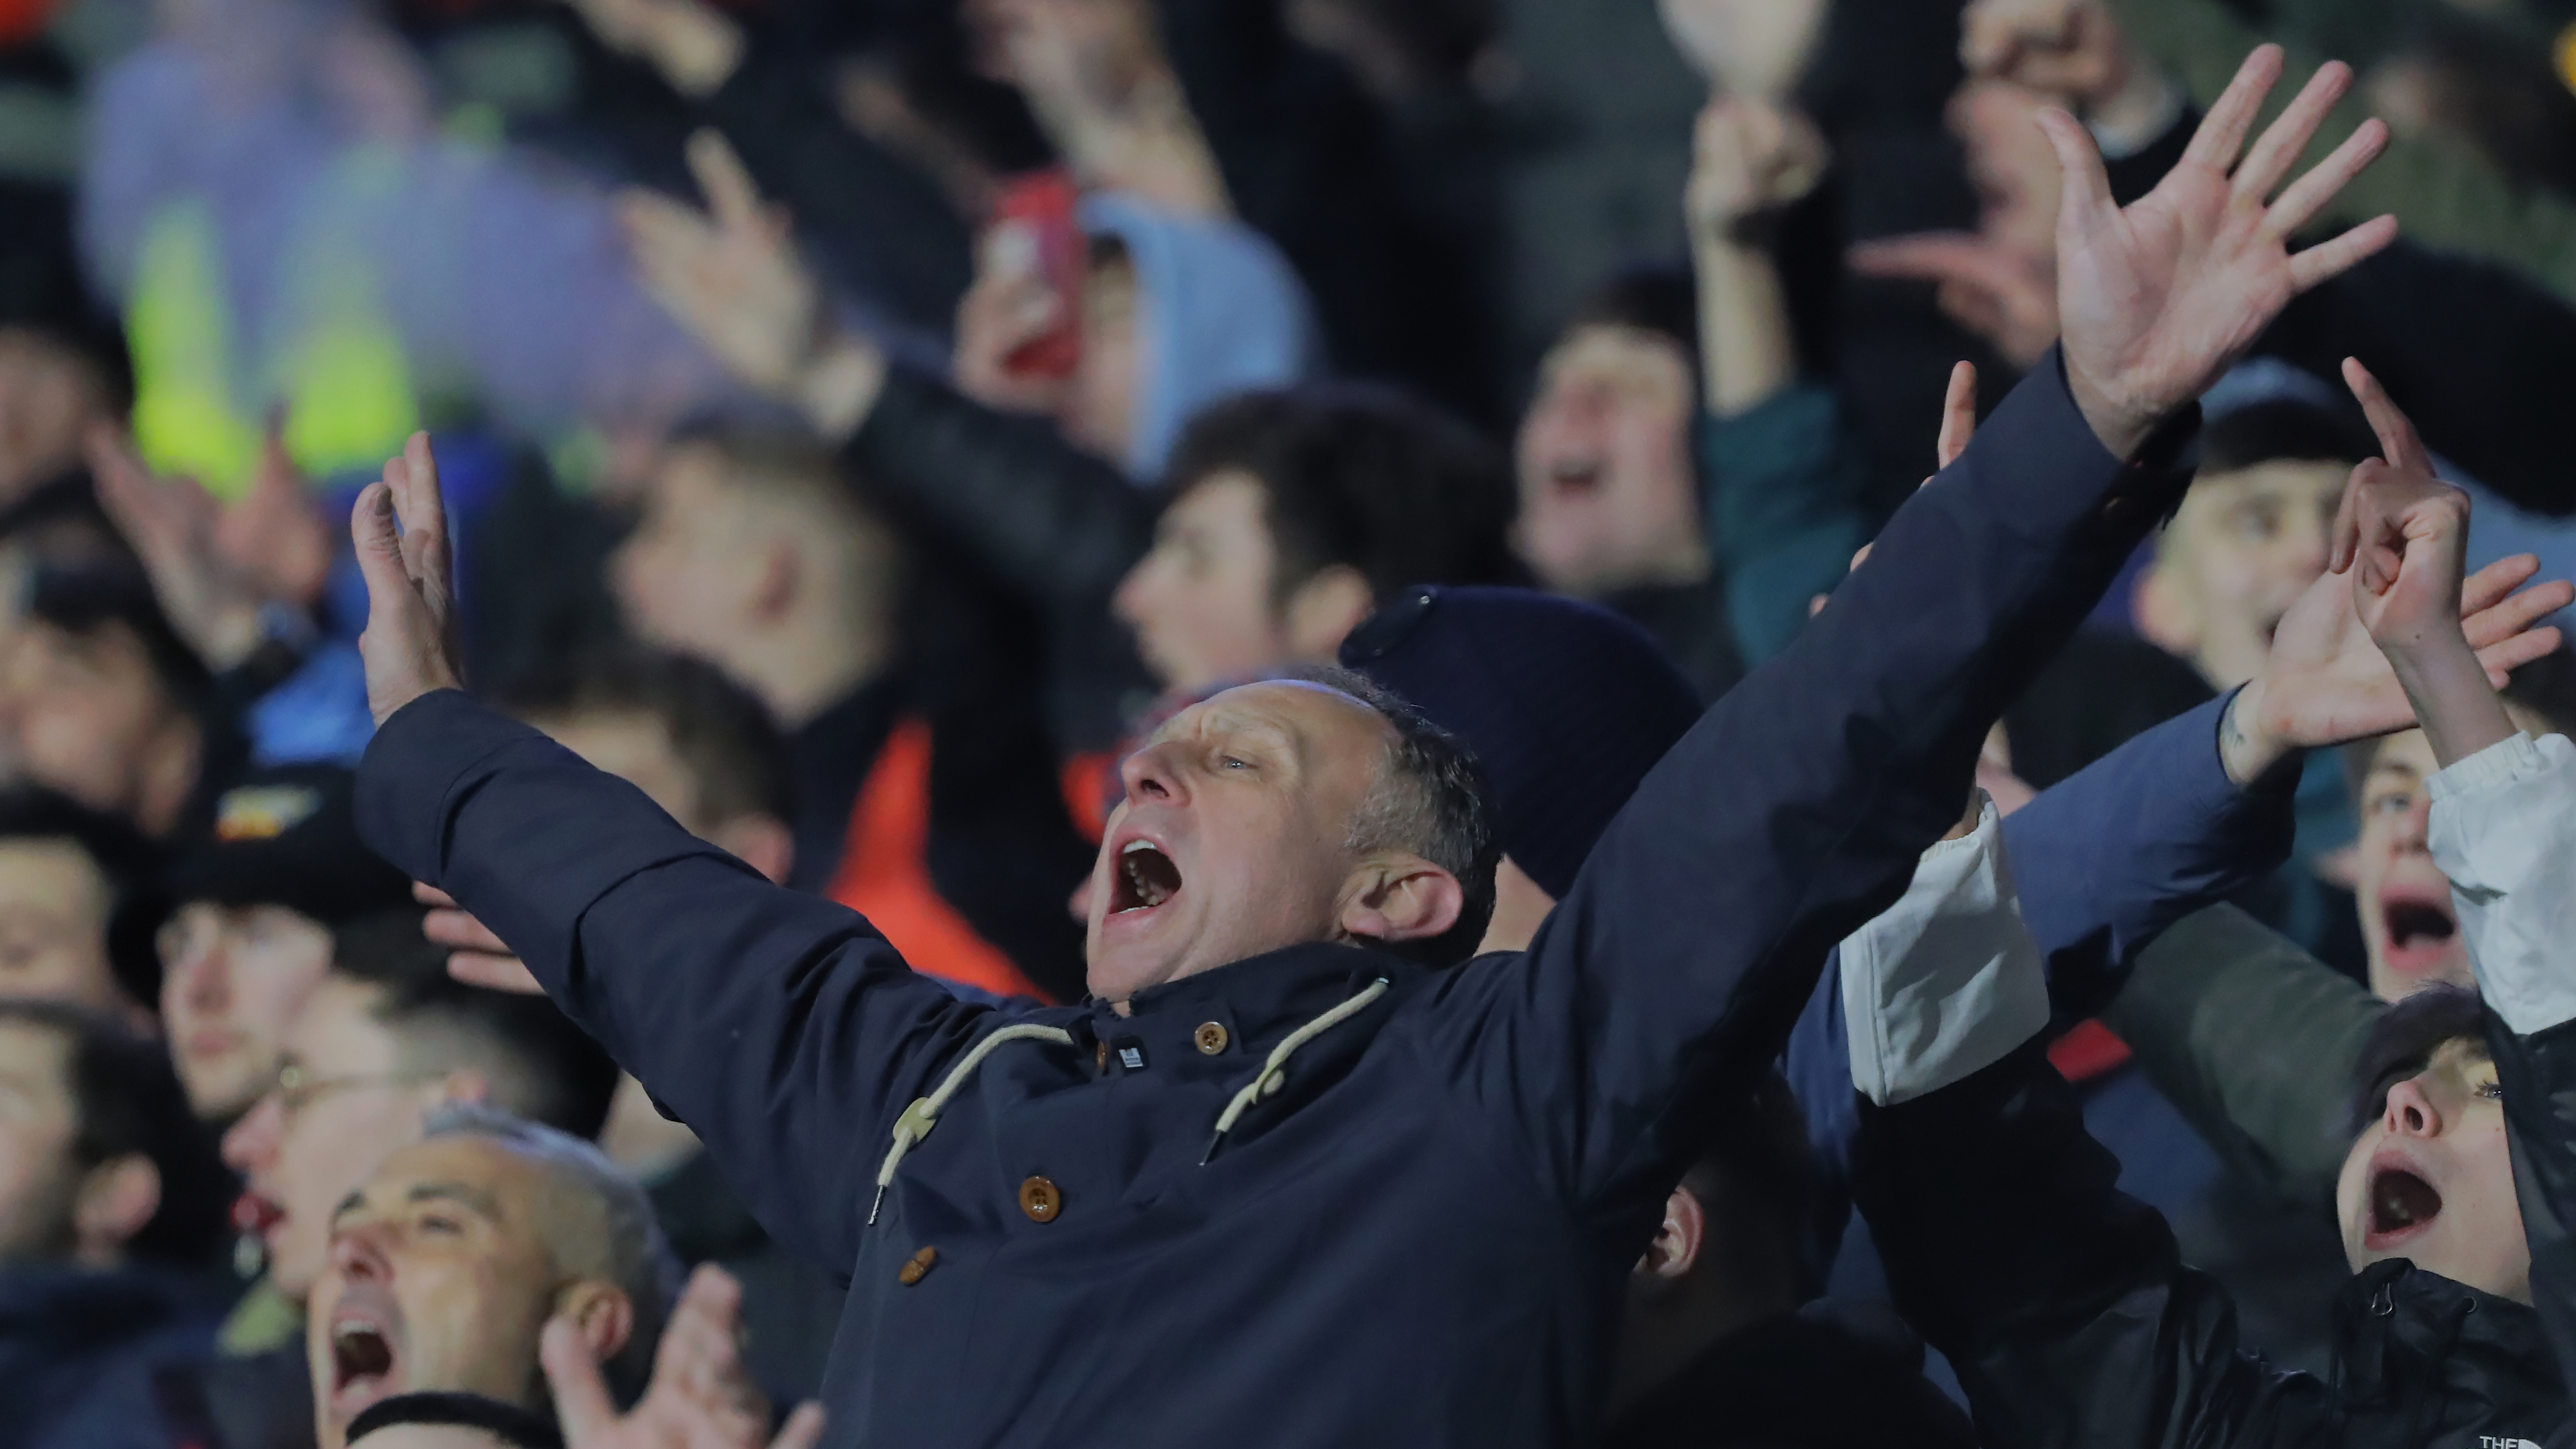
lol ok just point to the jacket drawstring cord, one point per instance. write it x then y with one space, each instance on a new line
923 1114
1273 1075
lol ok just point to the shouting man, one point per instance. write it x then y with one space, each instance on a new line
1295 1132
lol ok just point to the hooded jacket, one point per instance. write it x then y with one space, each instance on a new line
1327 1194
2071 1320
77 1346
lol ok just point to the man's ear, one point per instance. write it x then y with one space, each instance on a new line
603 1313
1324 610
1674 1250
1400 897
116 1200
2162 609
762 842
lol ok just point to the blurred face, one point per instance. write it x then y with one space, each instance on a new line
39 1122
2432 1180
1608 499
47 396
2408 925
341 1103
2239 552
233 978
54 908
1233 838
86 715
694 575
1108 370
1202 601
2010 163
438 1278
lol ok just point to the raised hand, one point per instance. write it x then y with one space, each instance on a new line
2402 535
2326 683
2158 299
1756 48
1985 284
409 646
1749 156
1010 306
171 524
701 1396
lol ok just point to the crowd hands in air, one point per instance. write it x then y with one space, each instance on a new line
1452 835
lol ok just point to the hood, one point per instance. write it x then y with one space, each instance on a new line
2449 1362
1224 313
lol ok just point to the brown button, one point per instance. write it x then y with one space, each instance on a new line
1210 1036
1040 1200
916 1267
1100 1056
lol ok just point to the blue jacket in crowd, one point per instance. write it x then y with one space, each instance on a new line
1423 1236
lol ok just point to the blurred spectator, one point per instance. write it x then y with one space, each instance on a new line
111 1206
380 1043
101 699
448 1262
256 896
75 886
754 556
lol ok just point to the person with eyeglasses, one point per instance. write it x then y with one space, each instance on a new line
385 1039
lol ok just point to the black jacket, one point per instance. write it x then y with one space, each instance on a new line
2071 1320
1465 1166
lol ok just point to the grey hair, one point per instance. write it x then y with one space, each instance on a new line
638 1257
1429 799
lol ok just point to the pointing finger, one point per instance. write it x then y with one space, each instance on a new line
721 176
2398 441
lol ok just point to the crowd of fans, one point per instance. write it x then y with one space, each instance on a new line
613 610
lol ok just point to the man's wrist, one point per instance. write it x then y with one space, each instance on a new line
2247 748
2454 700
2121 426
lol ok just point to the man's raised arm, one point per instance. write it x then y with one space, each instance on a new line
1795 810
777 1024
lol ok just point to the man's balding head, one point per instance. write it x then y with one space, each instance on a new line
1286 812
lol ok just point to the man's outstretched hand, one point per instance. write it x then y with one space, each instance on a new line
2158 299
400 525
701 1397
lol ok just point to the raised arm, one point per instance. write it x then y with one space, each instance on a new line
1794 811
776 1024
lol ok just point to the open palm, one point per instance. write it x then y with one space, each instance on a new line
2327 683
2158 299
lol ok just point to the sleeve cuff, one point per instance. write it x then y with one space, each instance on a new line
2506 762
1948 980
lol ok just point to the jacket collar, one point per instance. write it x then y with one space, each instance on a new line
2410 1341
1251 1004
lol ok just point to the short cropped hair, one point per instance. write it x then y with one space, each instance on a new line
130 1104
1364 478
1429 799
723 736
625 1246
2403 1040
85 600
539 1065
2283 430
128 863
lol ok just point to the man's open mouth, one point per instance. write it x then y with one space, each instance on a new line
2401 1203
2422 933
364 1362
1576 475
1145 878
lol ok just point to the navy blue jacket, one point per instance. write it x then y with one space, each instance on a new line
2104 861
1423 1238
78 1347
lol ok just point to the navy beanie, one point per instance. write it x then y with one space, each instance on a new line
1566 705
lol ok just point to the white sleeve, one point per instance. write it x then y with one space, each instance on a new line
1948 980
2504 831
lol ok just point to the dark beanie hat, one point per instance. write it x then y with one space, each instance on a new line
287 835
1566 705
